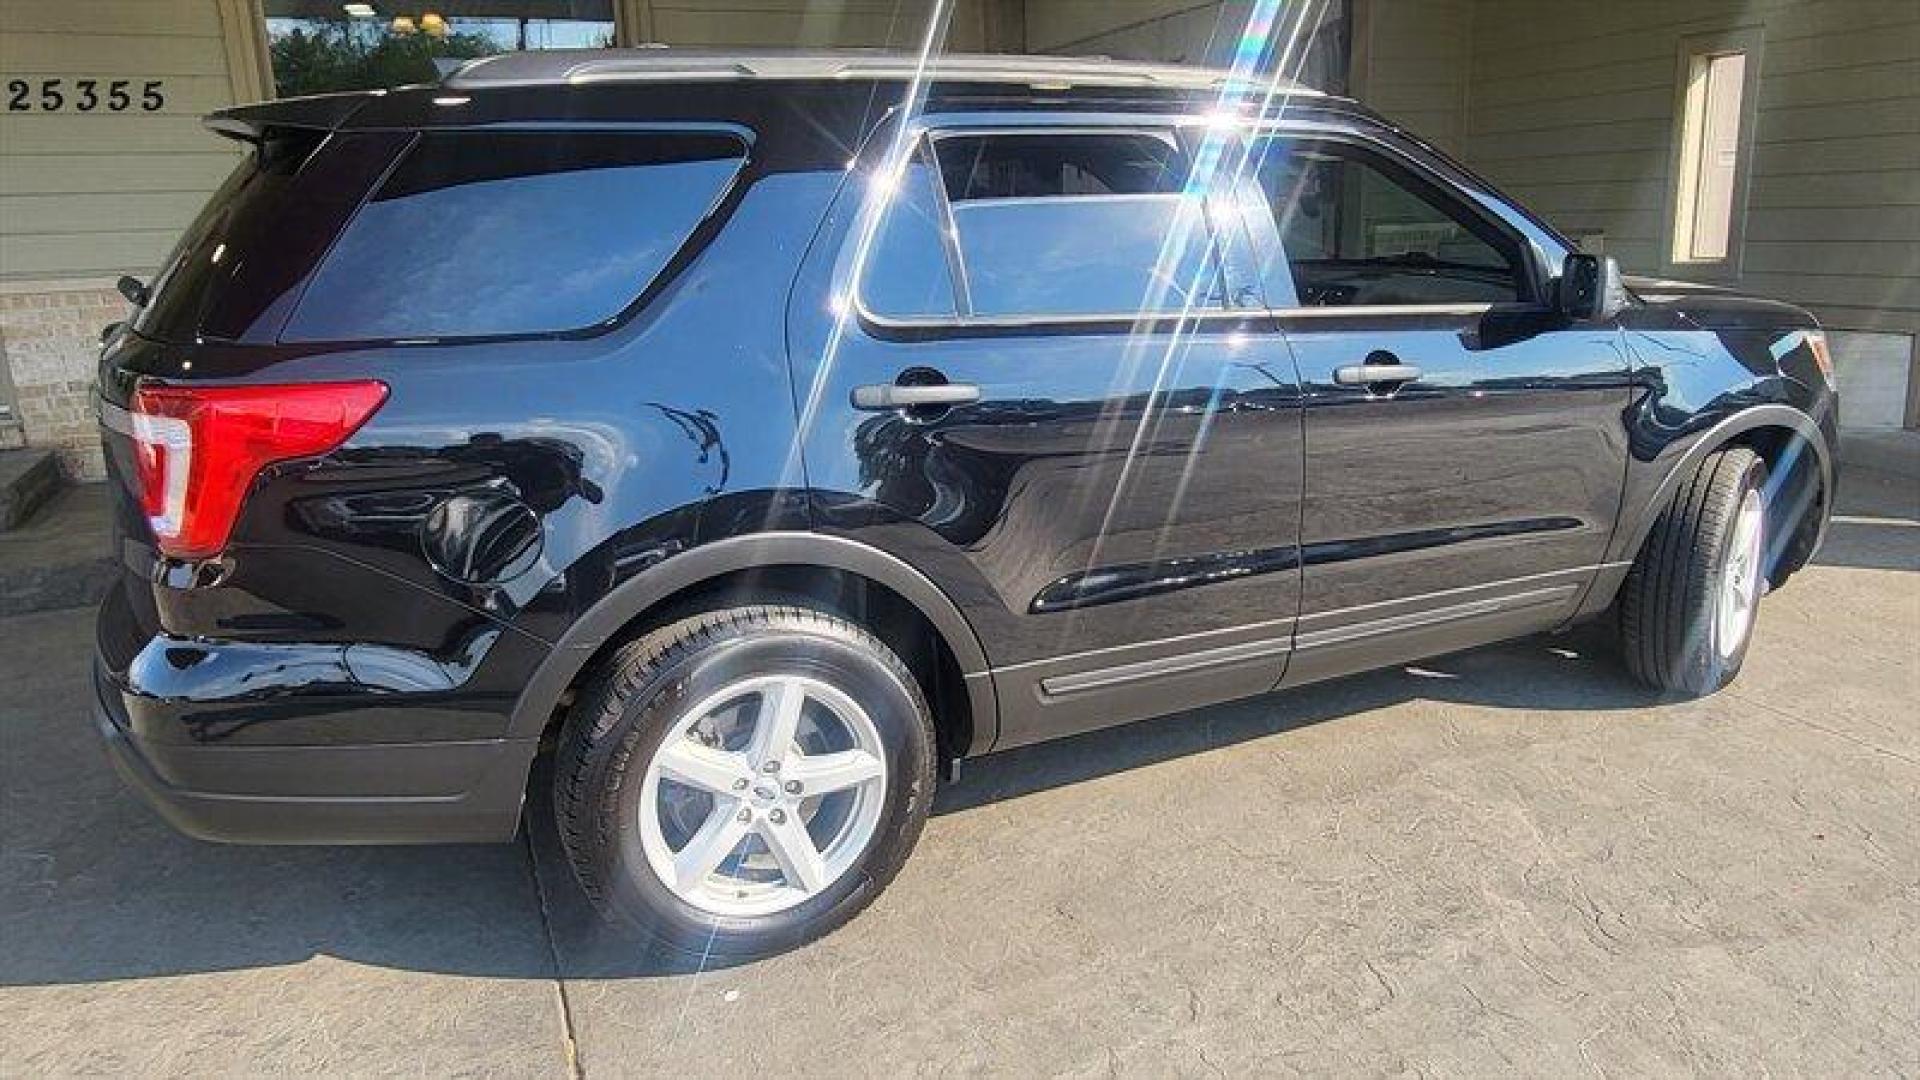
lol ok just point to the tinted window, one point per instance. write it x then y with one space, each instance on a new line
1050 223
243 233
1359 229
514 233
1038 165
907 272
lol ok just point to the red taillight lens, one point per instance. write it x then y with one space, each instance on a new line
1822 357
199 448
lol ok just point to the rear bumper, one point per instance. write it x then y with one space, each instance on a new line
360 794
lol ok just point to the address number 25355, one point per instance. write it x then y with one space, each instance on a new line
86 95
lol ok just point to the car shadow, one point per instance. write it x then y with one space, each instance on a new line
96 888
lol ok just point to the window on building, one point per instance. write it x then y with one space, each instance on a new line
318 46
1361 230
480 234
1711 156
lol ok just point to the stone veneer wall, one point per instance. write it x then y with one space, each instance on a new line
50 344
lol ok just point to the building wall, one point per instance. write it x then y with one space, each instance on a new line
1186 32
801 23
49 339
1412 60
89 192
1178 31
1571 107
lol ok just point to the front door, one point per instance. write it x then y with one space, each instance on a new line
1048 388
1464 445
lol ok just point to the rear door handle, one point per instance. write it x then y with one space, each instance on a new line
883 396
1370 374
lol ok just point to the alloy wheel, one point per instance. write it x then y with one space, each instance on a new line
762 795
1740 577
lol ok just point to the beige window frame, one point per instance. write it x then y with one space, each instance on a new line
1717 84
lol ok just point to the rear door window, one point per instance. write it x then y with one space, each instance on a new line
1042 223
506 233
909 272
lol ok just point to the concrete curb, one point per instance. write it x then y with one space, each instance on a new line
1896 452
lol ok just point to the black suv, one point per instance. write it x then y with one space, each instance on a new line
768 433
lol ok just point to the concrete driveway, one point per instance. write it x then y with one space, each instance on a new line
1507 861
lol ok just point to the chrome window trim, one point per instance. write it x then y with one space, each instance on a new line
1130 125
1056 200
1001 322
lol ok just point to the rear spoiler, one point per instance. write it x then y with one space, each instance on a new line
325 112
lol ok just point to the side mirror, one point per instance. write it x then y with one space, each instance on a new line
1590 289
134 290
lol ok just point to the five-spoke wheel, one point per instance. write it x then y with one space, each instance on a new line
743 780
762 795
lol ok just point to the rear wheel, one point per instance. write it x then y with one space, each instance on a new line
1687 608
743 781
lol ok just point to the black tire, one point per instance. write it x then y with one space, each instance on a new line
1668 604
621 718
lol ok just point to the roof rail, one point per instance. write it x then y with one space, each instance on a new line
575 67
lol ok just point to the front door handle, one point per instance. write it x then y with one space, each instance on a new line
1374 374
881 397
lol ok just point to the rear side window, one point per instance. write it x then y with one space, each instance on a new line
498 233
261 234
1045 224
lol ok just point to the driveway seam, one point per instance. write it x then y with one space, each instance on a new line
569 1047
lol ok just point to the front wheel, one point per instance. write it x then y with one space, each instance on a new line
1687 608
745 780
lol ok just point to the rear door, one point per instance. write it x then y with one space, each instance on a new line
1464 445
1043 381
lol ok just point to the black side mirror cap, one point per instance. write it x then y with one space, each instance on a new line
134 290
1590 288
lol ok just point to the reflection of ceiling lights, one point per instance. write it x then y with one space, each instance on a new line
359 11
430 24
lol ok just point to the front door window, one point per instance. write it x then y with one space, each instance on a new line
1360 230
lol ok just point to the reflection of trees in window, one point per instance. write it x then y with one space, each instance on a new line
322 55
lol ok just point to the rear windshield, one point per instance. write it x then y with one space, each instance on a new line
478 234
469 234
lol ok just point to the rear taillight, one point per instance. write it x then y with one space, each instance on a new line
198 449
1822 357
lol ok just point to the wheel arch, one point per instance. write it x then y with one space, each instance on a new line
777 561
1779 434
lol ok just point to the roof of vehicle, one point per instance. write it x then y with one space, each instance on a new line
663 64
